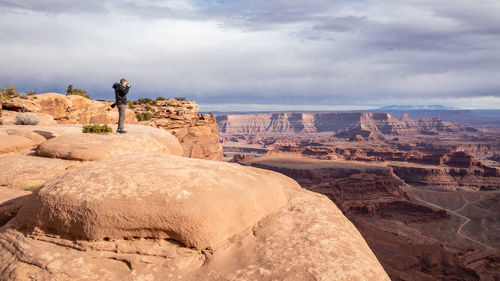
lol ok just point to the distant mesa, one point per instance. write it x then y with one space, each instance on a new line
343 124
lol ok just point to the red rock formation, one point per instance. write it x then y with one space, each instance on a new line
197 133
448 178
70 109
345 124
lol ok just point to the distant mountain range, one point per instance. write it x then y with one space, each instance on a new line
416 107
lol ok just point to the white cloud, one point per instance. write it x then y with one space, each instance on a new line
259 52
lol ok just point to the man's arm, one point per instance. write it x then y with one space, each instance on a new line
123 90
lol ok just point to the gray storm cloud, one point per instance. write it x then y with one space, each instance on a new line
274 52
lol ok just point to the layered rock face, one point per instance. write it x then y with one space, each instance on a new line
197 133
446 171
346 124
170 217
449 178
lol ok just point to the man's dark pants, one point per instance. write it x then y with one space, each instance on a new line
121 115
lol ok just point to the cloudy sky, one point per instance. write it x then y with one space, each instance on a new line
260 53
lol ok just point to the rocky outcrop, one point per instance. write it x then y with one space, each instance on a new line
12 140
449 171
372 195
26 171
200 141
197 133
66 109
309 171
189 209
10 203
243 223
449 178
93 147
345 124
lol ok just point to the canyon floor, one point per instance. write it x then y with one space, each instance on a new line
426 199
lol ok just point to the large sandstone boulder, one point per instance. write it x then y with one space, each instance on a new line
54 104
12 140
20 105
93 147
10 202
47 132
200 141
25 171
197 203
244 224
13 143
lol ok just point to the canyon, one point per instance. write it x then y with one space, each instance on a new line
423 193
317 196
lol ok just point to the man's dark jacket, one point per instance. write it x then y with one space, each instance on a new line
120 93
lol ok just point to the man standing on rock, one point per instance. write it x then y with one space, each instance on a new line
121 91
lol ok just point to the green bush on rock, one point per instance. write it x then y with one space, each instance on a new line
96 128
145 100
75 91
144 116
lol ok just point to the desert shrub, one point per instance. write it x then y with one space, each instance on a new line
144 116
145 100
75 91
9 92
160 98
96 128
32 188
131 106
26 119
31 92
148 108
